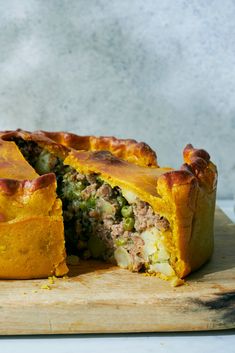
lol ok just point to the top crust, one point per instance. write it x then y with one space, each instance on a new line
127 149
12 186
196 164
197 161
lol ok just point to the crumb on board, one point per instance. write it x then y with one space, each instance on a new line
175 281
45 286
52 279
146 274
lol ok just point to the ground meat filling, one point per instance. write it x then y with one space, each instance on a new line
29 149
99 221
145 217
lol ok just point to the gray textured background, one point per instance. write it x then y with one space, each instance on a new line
156 70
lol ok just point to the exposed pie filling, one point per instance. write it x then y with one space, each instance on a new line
103 222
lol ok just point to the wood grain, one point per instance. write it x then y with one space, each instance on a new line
98 297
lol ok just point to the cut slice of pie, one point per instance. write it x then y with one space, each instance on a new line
31 223
151 219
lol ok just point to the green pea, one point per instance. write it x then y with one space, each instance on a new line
126 211
83 205
91 202
99 180
45 163
79 186
121 201
72 190
120 242
128 223
76 188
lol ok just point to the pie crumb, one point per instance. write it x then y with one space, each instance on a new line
45 286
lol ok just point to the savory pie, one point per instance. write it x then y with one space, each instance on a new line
118 205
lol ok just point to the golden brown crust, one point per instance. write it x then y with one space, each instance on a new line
32 248
192 193
37 137
11 186
197 161
128 149
142 180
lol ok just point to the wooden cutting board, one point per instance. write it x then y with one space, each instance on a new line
98 297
